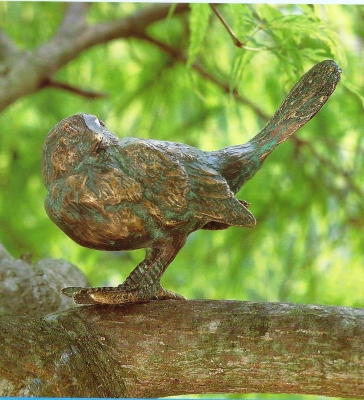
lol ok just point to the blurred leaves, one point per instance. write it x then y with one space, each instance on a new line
308 243
198 24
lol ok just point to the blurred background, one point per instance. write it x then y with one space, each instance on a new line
181 78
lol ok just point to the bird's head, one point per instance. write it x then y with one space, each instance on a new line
72 141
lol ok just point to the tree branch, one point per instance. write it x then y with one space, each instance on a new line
133 25
75 16
88 94
234 38
178 55
7 46
29 71
164 348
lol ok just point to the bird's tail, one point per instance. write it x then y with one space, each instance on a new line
303 102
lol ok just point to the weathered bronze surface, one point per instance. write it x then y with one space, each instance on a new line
122 194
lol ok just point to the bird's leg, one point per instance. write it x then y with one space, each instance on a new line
131 282
146 276
143 284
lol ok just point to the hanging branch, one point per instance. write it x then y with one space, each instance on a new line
88 94
178 55
235 39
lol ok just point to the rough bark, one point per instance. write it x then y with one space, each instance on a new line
164 348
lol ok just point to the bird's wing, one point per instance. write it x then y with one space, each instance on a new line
162 175
182 183
213 200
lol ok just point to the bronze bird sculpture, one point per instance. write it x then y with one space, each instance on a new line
115 194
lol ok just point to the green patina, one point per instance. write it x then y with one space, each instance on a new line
112 194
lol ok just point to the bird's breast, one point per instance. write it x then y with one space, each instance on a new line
98 209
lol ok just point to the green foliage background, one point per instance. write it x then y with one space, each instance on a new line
307 246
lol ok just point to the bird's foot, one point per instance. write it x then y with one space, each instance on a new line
118 295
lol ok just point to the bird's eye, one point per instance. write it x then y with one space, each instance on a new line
93 123
99 123
98 147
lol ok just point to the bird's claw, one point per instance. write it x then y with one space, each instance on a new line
164 294
117 295
69 291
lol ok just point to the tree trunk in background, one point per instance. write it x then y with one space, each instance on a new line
25 72
164 348
32 289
